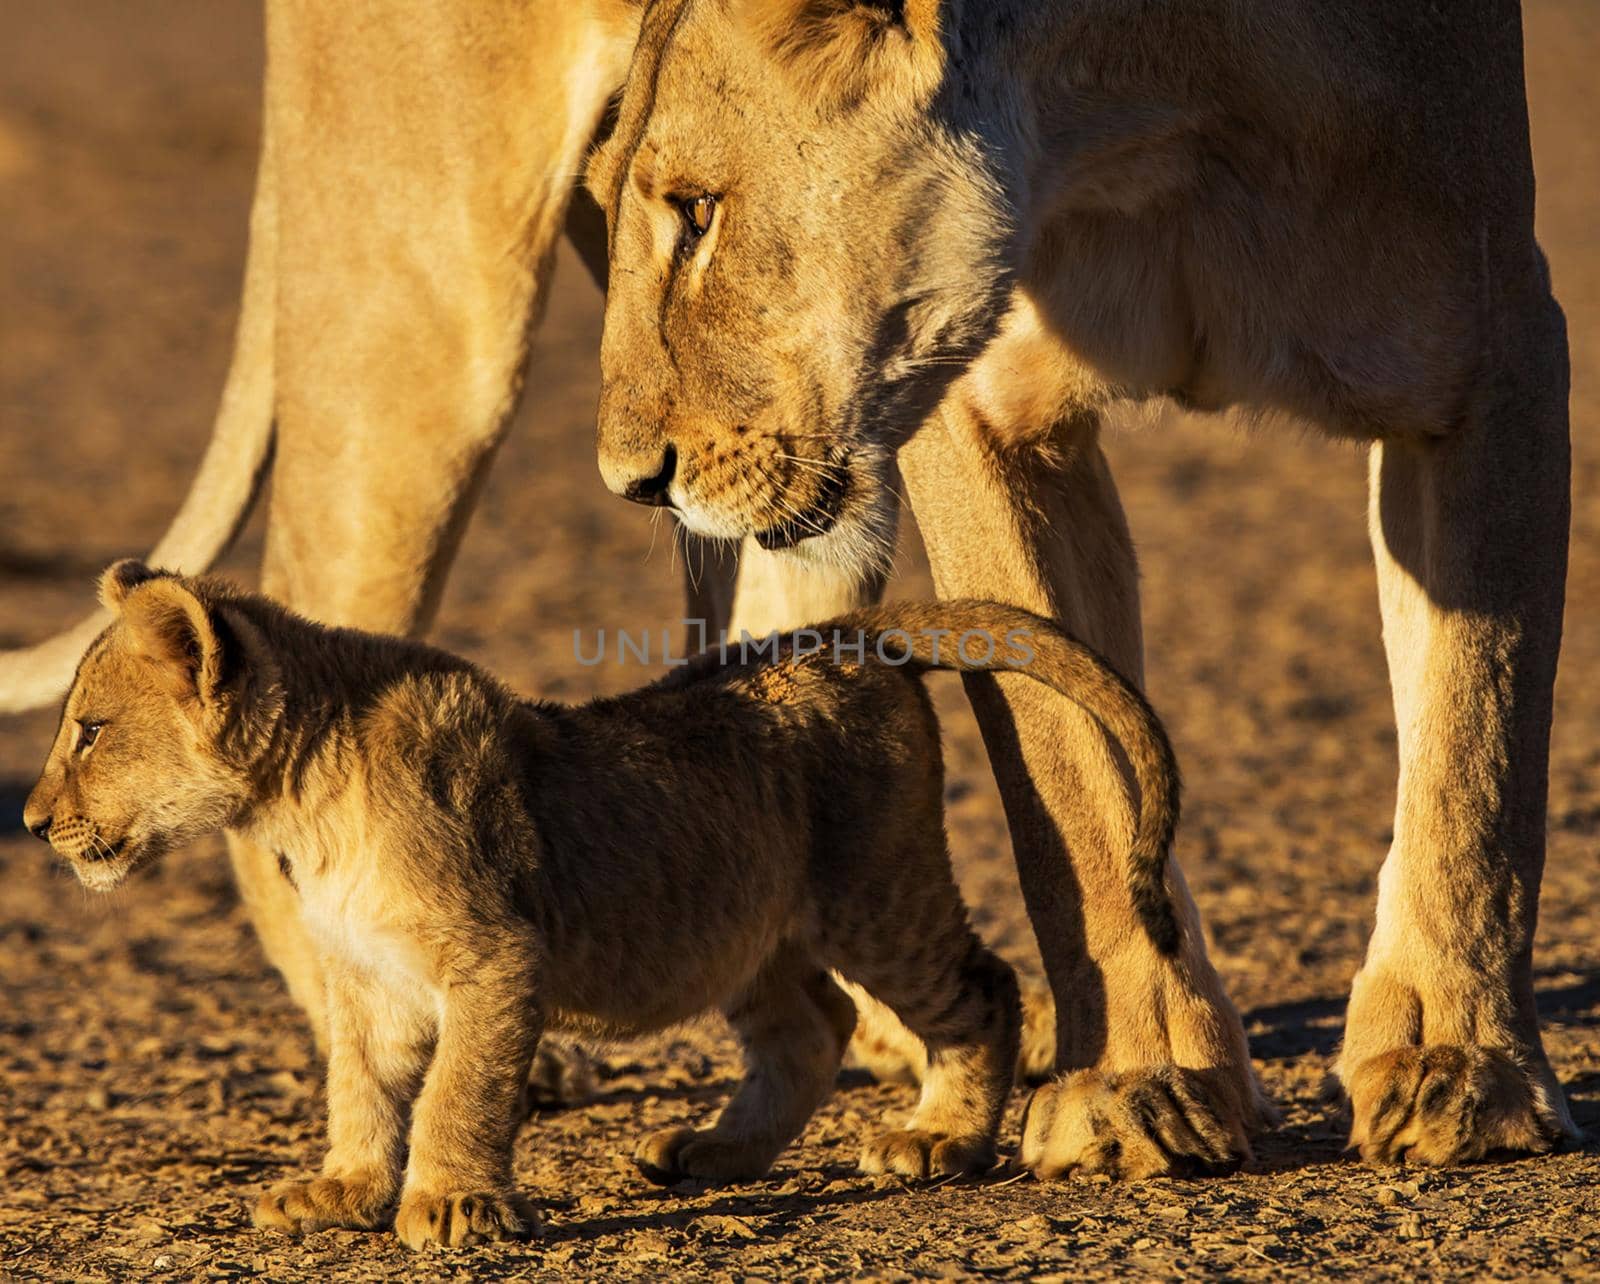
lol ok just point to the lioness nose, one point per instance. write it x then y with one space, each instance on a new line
642 478
38 826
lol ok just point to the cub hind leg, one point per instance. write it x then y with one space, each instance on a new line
890 1053
794 1022
961 1001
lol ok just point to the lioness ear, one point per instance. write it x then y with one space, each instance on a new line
847 51
120 579
167 623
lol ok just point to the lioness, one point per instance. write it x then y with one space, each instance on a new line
950 236
476 869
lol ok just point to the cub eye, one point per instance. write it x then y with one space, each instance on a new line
88 733
697 213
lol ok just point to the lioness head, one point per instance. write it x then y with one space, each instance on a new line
147 753
804 244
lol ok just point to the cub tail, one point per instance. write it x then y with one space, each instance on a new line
971 636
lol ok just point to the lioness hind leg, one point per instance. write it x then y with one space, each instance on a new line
1442 1058
1446 1104
563 1074
881 1045
388 412
794 1022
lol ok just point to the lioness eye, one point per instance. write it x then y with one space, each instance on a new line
88 733
697 212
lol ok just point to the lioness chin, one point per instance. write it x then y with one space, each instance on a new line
477 869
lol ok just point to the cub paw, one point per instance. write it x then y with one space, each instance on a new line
563 1074
322 1203
1156 1122
458 1218
676 1154
922 1156
1445 1104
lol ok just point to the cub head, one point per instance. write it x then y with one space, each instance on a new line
804 245
153 746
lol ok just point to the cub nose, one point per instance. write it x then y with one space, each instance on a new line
642 478
36 810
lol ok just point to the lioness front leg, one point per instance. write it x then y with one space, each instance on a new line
376 1055
1034 519
458 1186
1442 1058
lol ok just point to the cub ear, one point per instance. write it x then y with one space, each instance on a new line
120 579
167 623
847 51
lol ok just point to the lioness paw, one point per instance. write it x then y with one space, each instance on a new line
1155 1122
322 1203
458 1218
1445 1104
921 1156
676 1154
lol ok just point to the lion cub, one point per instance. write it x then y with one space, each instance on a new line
478 869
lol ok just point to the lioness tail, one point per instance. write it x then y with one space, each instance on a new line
223 490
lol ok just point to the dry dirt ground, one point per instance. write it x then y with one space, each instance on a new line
153 1075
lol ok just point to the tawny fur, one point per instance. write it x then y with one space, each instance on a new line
954 253
476 869
952 235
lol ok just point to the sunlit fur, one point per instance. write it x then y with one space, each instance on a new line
960 231
764 353
1291 208
899 186
469 866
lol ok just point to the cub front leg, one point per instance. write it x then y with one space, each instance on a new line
458 1183
376 1056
